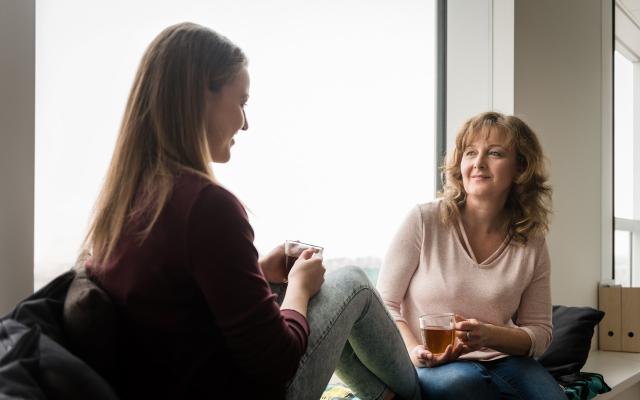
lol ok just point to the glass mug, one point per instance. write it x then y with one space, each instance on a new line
293 249
437 331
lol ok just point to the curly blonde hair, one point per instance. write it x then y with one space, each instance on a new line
529 200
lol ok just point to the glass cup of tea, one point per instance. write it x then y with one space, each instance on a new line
437 331
293 249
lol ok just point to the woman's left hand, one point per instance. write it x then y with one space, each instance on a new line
475 335
273 265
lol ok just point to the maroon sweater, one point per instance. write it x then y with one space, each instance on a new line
198 319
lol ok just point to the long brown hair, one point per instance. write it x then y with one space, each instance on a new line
529 201
162 130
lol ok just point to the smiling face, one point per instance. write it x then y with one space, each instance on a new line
225 116
488 166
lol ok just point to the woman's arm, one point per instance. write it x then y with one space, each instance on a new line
305 278
477 335
416 351
224 265
534 312
400 263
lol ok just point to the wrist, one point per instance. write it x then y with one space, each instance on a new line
296 291
492 337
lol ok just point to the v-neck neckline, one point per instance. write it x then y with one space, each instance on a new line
468 251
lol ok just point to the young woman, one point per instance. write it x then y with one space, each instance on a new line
174 250
479 252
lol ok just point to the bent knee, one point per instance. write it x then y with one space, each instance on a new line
352 274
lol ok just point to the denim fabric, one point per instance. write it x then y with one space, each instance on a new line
352 333
506 378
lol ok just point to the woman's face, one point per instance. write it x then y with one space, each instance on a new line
488 167
225 116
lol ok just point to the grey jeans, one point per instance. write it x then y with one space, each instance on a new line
353 334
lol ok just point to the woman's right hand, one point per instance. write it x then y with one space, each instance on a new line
422 357
307 273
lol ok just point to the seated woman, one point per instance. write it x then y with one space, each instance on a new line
174 250
479 252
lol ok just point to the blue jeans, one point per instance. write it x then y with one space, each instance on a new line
506 378
352 334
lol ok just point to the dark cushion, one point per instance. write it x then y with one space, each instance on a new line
44 307
572 332
34 366
90 324
19 364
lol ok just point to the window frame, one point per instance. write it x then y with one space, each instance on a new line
626 41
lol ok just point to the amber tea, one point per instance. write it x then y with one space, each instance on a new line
436 339
437 331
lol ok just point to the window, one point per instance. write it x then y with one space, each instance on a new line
626 162
341 139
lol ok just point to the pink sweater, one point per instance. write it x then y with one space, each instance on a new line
427 270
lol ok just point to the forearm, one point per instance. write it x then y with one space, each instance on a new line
408 337
508 340
295 299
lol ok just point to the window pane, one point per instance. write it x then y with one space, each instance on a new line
622 254
341 115
623 138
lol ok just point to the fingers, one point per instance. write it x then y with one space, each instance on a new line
447 356
419 356
307 254
458 349
423 354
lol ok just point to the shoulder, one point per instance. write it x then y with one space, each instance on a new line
198 193
535 244
535 250
428 213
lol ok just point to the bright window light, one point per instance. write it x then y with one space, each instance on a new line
623 138
341 116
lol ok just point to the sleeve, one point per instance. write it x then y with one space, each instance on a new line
534 312
264 340
400 263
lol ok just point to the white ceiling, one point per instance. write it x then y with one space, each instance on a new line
633 7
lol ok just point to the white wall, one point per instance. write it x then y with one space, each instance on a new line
547 65
559 91
17 96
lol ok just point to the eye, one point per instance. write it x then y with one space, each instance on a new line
496 153
469 153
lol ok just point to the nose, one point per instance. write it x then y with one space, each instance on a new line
245 126
479 162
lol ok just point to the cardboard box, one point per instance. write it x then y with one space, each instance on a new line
610 328
620 328
630 302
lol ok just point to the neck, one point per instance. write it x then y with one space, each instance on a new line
483 216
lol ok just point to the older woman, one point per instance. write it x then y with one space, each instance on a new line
479 252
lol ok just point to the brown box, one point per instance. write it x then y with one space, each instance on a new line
630 302
610 328
619 330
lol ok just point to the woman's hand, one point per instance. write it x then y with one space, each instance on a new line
474 334
307 273
421 357
272 265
